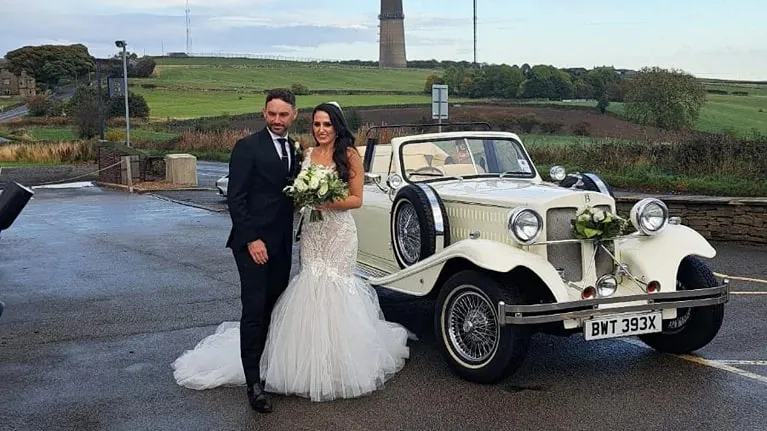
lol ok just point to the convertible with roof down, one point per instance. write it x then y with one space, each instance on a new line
465 218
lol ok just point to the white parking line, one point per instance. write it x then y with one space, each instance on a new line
735 362
721 365
732 277
725 367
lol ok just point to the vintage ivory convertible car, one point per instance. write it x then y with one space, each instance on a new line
465 218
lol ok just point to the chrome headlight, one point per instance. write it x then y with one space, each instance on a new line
649 216
524 225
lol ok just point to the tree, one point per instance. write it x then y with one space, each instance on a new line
669 99
137 106
500 81
83 107
600 78
143 68
50 64
432 79
547 82
603 103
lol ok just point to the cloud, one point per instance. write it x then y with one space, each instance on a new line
153 32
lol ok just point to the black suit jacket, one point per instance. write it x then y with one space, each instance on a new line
258 207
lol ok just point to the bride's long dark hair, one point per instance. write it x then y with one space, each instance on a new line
344 137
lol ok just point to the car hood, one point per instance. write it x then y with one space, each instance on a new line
509 193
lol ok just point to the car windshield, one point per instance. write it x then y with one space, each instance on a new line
462 157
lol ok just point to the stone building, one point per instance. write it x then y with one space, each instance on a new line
13 85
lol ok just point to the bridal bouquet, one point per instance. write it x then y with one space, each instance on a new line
599 224
315 186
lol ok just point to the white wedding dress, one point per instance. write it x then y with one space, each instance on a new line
328 337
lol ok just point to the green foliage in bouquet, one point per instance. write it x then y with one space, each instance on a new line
316 186
594 223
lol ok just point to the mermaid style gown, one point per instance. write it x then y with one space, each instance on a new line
328 337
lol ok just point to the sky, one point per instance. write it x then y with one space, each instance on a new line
697 36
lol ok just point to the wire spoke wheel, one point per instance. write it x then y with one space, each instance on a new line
472 326
408 233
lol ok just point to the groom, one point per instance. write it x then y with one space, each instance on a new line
261 165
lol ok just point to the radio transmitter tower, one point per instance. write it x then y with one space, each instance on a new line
188 30
392 35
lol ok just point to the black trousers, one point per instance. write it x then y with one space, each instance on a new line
261 286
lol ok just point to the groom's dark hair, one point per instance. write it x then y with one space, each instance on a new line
283 94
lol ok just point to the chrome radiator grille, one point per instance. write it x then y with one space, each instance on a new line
563 256
568 257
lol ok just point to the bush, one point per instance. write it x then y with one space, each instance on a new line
299 89
582 129
551 127
354 120
115 135
603 103
38 105
137 106
669 99
143 69
528 122
432 79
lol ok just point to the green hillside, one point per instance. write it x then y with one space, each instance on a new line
244 75
195 87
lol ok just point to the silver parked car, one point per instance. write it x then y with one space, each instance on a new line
222 184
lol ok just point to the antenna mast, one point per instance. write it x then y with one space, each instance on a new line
475 33
188 30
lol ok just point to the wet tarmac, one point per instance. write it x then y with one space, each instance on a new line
104 289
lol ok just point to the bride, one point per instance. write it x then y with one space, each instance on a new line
327 338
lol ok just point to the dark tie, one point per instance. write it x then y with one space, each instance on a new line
285 152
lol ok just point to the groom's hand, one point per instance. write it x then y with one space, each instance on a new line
257 250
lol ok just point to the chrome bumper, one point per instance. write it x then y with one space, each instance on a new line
559 311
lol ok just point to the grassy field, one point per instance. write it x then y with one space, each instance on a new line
8 102
721 112
177 104
242 75
739 114
197 87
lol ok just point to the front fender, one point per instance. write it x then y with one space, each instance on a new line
421 278
658 257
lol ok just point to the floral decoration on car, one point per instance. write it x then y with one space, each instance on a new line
593 223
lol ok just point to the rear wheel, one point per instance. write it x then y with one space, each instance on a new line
476 347
692 328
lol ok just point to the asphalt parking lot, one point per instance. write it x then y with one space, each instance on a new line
104 289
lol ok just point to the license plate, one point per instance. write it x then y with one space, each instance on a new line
622 325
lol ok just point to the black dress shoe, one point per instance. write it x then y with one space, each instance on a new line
258 400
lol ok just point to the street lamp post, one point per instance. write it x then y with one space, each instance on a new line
122 44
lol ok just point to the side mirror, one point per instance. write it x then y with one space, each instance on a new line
557 173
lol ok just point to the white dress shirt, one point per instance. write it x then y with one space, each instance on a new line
278 146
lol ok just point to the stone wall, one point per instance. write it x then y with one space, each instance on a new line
143 166
716 218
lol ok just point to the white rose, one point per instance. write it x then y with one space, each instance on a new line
314 182
584 218
599 216
301 186
323 190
